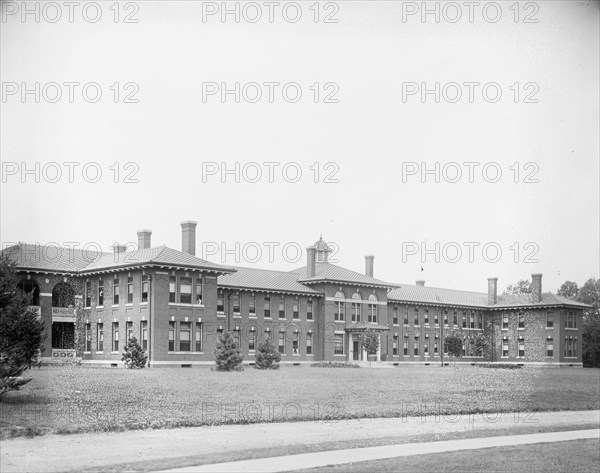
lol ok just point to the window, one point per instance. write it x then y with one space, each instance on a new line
570 322
405 346
296 343
100 292
130 289
464 319
471 320
416 346
236 337
185 290
235 302
426 345
172 288
145 286
251 339
575 347
338 344
445 317
435 348
455 318
309 309
436 318
479 320
405 321
282 307
88 337
309 343
373 308
339 306
268 307
425 317
100 337
220 303
549 347
171 336
395 315
505 347
356 307
144 334
416 319
116 291
185 336
198 337
88 293
115 336
282 343
295 312
199 290
128 331
505 322
521 347
395 345
521 320
549 320
252 305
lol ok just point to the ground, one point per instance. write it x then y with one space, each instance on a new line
75 399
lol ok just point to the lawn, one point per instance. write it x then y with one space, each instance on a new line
82 399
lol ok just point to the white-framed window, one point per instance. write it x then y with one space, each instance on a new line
251 339
220 302
172 288
296 343
100 292
372 308
549 347
144 334
128 330
144 288
309 337
115 292
185 336
198 337
88 337
339 306
281 343
550 319
356 307
252 305
295 310
395 315
338 344
267 307
199 290
505 347
521 347
416 319
282 307
115 336
88 294
235 303
309 309
521 319
405 345
185 290
130 289
171 336
395 345
505 322
100 337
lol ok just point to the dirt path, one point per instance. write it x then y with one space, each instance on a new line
76 452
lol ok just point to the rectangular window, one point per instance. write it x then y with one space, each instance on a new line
575 347
282 307
185 290
436 318
339 310
220 303
252 305
171 336
282 343
268 307
144 334
405 346
128 331
295 313
416 320
100 337
130 289
100 292
395 345
172 288
309 343
395 315
426 345
116 291
145 286
550 320
185 336
549 347
566 349
115 336
236 337
505 322
521 347
356 312
251 340
199 290
455 319
405 321
235 301
198 337
521 320
416 346
445 317
88 293
471 320
338 344
464 319
373 313
296 344
505 347
88 337
435 348
425 317
479 320
309 309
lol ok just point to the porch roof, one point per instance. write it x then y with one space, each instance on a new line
362 326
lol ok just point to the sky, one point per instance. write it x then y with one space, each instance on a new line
361 157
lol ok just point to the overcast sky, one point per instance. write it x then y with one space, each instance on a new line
371 134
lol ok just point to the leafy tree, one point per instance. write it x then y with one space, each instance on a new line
521 287
227 353
134 356
453 343
267 357
479 343
370 341
590 294
21 331
568 289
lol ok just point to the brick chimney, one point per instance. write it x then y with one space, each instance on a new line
492 291
144 239
369 262
536 287
311 258
188 237
420 282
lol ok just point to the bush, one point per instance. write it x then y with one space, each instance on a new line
505 366
134 356
227 353
267 358
333 364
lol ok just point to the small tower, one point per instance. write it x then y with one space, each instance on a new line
322 250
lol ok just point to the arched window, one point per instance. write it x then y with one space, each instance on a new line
63 295
356 307
373 308
339 305
30 288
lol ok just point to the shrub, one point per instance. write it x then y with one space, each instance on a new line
370 341
227 353
453 343
333 364
134 356
505 366
267 358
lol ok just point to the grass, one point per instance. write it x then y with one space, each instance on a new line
573 456
82 399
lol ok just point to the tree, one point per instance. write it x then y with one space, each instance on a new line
21 331
453 343
227 353
370 341
521 287
590 294
267 358
568 289
478 342
134 356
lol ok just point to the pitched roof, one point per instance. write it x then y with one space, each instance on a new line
548 299
362 326
327 272
68 260
264 279
320 245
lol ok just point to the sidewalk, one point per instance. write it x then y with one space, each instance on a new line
76 452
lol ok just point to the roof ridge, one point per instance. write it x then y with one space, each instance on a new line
444 289
162 248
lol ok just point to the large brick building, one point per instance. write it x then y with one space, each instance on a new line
176 304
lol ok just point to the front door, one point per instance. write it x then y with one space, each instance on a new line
355 348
